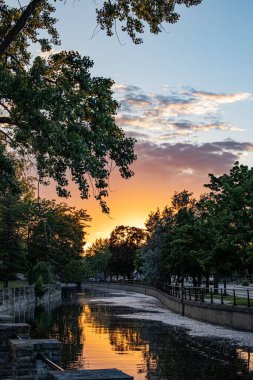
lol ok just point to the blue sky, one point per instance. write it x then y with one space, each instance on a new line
210 46
186 96
209 49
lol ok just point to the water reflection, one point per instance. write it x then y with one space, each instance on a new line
93 336
247 356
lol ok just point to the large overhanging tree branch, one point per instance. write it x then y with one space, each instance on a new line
64 117
133 14
20 24
53 109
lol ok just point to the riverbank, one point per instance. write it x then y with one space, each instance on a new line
236 317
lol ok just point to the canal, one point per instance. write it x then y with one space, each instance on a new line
135 334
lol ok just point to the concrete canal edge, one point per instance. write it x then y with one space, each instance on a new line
236 317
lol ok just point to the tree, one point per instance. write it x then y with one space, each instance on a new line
123 244
155 251
75 271
134 14
12 248
97 258
231 206
39 288
183 259
8 168
53 110
43 270
15 191
55 235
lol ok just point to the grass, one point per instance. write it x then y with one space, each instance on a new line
240 301
14 284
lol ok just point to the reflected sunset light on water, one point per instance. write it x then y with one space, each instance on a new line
120 348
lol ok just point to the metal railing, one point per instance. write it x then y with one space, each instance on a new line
49 362
229 296
11 296
45 360
235 297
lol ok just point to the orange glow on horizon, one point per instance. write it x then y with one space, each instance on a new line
130 201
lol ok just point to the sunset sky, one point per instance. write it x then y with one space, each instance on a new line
186 96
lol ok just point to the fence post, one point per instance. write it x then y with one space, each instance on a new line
248 298
221 296
234 298
203 295
211 295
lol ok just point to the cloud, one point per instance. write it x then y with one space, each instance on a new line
137 135
117 87
178 113
138 101
234 145
169 160
189 126
222 98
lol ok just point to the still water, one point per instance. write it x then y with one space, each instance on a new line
125 331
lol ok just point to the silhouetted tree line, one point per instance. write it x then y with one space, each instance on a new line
197 238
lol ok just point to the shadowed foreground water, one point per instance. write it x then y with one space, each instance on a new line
95 336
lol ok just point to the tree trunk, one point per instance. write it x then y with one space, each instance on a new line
20 24
225 286
216 284
207 282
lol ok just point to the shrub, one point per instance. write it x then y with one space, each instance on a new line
39 288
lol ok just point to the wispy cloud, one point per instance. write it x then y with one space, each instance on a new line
178 113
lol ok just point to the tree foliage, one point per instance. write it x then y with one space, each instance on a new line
209 236
123 244
134 14
37 234
54 111
55 235
97 257
75 271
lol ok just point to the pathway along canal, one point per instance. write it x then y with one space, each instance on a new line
101 330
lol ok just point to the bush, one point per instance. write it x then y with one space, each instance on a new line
245 283
42 270
39 288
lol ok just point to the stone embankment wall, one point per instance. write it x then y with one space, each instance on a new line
22 358
18 353
16 299
236 317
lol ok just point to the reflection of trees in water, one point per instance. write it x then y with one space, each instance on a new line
124 335
180 356
169 353
61 324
